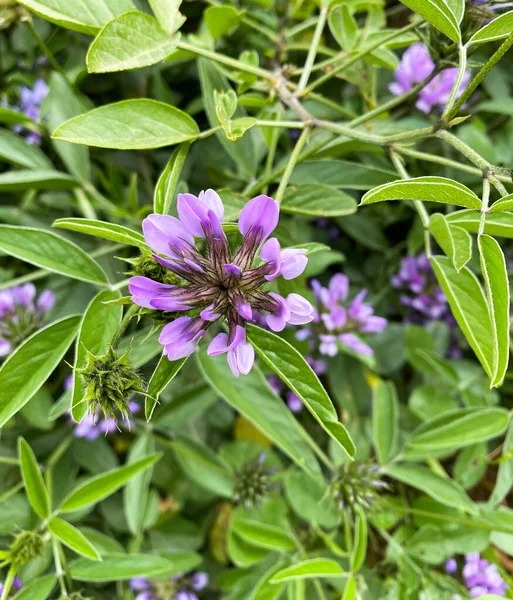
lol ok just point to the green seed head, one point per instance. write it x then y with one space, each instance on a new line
25 547
252 483
357 484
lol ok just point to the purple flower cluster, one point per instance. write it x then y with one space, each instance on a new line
175 588
219 283
21 314
338 320
415 66
30 105
480 576
16 586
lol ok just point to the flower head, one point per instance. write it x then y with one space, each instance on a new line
24 548
30 104
17 585
21 314
252 483
415 66
338 320
480 576
218 283
172 588
357 484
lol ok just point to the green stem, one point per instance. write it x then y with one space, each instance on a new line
283 124
484 207
9 460
312 53
381 140
84 204
495 58
208 132
59 572
8 583
358 56
44 48
467 151
462 52
291 165
273 145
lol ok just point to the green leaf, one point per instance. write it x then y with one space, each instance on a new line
103 229
503 204
317 201
131 41
343 27
86 16
50 251
97 488
138 124
166 186
340 174
457 8
454 241
297 374
39 589
202 465
14 149
30 365
168 14
99 325
504 479
264 535
360 541
62 103
121 567
385 419
221 20
310 569
13 181
469 307
445 491
438 13
73 538
135 494
164 373
496 225
500 27
33 480
495 273
252 397
427 189
457 429
9 116
350 589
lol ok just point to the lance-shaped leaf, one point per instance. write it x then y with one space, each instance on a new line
131 41
121 567
297 374
130 125
499 224
72 537
438 13
97 488
27 179
454 241
469 307
30 365
50 251
317 201
495 273
86 16
103 229
14 149
168 181
360 540
497 29
39 589
164 373
309 569
428 189
504 204
385 418
33 480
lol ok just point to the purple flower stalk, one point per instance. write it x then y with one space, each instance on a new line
183 588
337 320
415 66
92 426
21 314
219 284
480 576
30 105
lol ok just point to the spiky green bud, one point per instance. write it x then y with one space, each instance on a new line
25 547
357 484
147 266
252 483
110 381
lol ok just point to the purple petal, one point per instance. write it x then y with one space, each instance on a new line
277 320
23 295
207 314
241 359
301 311
232 270
199 581
196 213
180 337
221 344
5 347
355 343
260 217
293 262
270 253
144 290
166 235
46 301
140 584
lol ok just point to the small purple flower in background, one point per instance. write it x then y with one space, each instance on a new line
423 296
174 588
16 586
221 284
21 314
479 576
92 426
338 320
30 105
415 66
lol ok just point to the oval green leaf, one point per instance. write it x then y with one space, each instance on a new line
297 374
73 538
52 252
130 125
504 204
30 365
264 535
39 589
310 569
497 29
14 149
166 185
317 201
427 189
28 179
33 480
121 567
438 13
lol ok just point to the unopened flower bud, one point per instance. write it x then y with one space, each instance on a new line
26 546
357 484
252 483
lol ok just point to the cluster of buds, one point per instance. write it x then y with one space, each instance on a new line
173 588
26 546
30 104
21 314
337 320
253 483
219 284
110 381
357 484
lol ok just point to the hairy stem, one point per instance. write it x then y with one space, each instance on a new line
312 53
484 207
462 52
